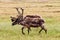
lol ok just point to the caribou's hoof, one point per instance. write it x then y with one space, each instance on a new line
45 31
39 32
28 33
23 33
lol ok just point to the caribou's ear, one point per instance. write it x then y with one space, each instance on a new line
17 15
10 16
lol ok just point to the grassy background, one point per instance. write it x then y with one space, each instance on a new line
49 11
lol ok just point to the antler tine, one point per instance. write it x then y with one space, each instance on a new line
17 8
21 8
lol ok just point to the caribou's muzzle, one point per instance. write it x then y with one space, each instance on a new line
13 24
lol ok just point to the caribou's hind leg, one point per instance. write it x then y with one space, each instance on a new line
42 28
22 31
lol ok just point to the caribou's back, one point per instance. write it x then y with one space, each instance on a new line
33 16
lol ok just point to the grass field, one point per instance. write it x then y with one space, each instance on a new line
50 12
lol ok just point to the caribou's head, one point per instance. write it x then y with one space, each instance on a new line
13 18
14 22
17 21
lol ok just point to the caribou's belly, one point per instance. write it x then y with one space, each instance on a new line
34 25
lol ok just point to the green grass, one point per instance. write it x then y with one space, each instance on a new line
9 32
48 10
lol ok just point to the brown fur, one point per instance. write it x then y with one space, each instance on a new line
29 21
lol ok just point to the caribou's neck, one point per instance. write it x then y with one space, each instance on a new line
22 23
22 13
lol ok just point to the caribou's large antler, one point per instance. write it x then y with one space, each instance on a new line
20 16
22 12
18 11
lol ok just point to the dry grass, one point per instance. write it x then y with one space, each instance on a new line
50 11
42 9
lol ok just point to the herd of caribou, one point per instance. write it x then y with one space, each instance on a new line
28 21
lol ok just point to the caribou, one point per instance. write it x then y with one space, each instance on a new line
29 21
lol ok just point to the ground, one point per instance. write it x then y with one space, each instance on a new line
49 11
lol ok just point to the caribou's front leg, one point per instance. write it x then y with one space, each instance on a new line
29 29
22 31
